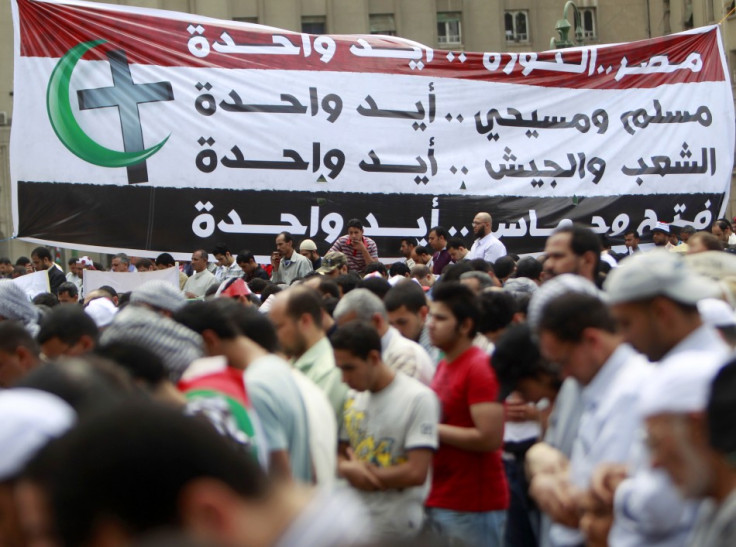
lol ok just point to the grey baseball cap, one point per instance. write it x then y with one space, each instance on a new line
657 273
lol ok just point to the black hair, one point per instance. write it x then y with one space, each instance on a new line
257 285
456 243
109 290
13 334
22 261
721 412
202 316
46 299
529 267
377 285
517 357
140 362
357 337
68 287
6 260
422 250
411 241
100 467
379 267
68 323
89 384
405 293
41 253
497 309
723 223
504 266
460 300
569 314
287 236
481 265
347 281
635 233
452 272
303 300
249 322
440 231
355 223
399 268
327 287
144 263
268 290
582 240
165 259
221 249
245 256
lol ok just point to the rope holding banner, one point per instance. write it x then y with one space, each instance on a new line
733 9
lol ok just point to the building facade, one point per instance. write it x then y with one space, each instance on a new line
470 25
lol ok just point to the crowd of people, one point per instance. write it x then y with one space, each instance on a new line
459 396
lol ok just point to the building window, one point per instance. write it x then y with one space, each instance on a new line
449 28
517 25
383 24
314 25
587 16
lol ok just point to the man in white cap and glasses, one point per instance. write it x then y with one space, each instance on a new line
661 236
654 298
673 404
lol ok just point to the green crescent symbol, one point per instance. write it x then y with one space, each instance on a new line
66 126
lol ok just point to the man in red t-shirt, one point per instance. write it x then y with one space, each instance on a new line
469 495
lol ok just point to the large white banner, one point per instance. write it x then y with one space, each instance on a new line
173 132
127 281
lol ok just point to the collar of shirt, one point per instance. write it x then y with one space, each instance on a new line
593 393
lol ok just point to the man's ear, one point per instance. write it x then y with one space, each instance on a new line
208 508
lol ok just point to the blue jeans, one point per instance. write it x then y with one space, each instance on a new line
466 528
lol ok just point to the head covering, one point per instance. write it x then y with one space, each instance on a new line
159 294
332 261
30 419
553 288
520 285
657 273
307 245
176 345
681 384
15 305
102 311
85 261
661 227
713 264
716 313
235 286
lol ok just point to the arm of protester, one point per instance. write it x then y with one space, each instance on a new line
606 479
412 472
542 458
356 472
555 497
485 436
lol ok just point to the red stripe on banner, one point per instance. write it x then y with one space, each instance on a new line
52 29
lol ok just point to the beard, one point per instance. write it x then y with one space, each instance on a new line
480 232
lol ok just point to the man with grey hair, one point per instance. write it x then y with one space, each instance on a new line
477 281
202 279
398 353
120 263
486 245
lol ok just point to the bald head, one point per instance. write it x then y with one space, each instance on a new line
482 224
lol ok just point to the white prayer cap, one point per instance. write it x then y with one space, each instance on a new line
661 227
30 419
557 286
716 313
102 311
680 384
657 273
